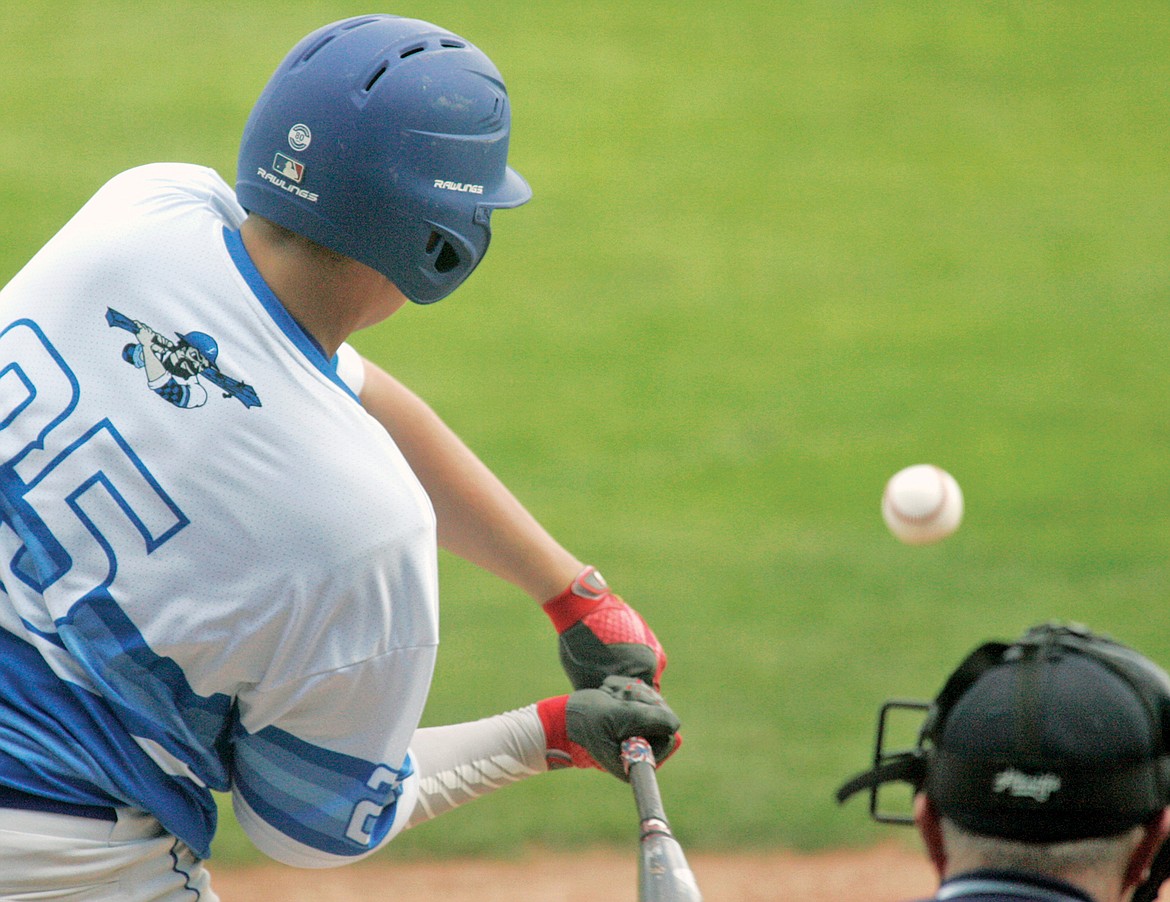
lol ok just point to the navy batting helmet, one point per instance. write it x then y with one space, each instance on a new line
384 139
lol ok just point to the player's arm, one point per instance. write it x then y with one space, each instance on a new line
306 802
480 520
462 762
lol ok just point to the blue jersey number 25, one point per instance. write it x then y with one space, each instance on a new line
57 473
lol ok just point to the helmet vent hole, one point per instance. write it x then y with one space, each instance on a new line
411 51
312 51
452 45
448 258
374 79
348 26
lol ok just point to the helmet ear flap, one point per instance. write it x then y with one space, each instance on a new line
442 254
447 258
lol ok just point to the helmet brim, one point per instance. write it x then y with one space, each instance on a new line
514 191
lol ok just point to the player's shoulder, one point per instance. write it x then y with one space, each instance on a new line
166 185
154 176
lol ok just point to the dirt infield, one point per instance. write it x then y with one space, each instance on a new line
883 874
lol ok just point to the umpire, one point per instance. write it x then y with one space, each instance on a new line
1041 773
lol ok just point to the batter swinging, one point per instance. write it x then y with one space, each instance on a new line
219 562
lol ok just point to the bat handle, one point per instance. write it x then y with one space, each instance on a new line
663 872
638 760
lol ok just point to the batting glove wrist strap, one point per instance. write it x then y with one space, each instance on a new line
560 751
581 598
601 635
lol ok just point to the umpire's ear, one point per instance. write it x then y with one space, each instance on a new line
930 829
1154 835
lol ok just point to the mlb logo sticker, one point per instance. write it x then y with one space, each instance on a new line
289 167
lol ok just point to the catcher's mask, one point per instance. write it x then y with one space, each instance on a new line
1062 735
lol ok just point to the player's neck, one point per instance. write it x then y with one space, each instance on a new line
330 296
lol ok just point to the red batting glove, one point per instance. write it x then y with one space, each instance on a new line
560 750
601 635
587 728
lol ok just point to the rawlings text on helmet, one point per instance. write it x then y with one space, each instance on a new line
276 180
458 186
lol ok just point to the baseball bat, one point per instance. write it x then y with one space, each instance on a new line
663 872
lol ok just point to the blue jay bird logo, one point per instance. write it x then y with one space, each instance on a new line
173 368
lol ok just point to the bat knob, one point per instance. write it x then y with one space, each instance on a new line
636 750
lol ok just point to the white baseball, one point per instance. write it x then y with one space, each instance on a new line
922 504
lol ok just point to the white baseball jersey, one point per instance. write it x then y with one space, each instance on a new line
219 572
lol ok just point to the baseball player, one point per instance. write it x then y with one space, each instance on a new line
223 576
1042 772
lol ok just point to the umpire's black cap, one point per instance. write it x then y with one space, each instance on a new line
1061 735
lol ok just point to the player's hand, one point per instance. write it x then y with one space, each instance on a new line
601 635
587 728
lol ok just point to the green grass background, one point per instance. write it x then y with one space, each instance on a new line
777 251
